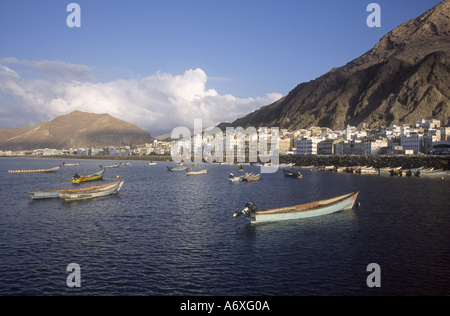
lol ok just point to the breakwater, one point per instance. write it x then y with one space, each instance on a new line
406 162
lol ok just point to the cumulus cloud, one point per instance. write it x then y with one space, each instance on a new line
156 103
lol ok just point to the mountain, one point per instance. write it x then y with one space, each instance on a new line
74 130
404 78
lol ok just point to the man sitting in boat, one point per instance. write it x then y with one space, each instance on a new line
249 211
77 176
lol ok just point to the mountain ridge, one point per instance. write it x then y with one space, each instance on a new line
74 130
403 78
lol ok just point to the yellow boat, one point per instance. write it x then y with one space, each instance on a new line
77 178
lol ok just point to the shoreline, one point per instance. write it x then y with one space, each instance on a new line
406 162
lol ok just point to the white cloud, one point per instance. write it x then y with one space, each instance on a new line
156 103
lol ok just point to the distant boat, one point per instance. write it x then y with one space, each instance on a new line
112 166
45 170
233 178
152 163
190 172
77 178
252 177
70 164
292 174
90 194
304 167
312 209
52 194
176 169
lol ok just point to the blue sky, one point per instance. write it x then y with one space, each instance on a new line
229 57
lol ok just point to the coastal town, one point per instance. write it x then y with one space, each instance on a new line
429 137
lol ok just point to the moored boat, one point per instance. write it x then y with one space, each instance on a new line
70 164
52 194
319 208
191 172
44 170
252 177
292 174
77 178
90 194
151 163
176 168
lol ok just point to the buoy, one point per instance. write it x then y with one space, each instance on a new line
117 177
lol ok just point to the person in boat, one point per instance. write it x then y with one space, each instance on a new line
77 176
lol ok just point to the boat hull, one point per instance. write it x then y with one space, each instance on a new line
320 208
91 194
54 169
92 177
53 194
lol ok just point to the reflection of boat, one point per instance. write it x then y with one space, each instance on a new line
312 209
90 194
252 177
77 178
190 172
52 194
176 169
233 178
53 169
292 174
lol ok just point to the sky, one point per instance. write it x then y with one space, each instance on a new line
160 64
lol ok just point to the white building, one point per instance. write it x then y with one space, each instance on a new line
308 146
412 142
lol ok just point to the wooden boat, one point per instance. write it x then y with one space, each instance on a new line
319 208
434 172
77 178
304 167
152 163
52 194
292 174
90 194
370 171
45 170
176 168
252 177
191 172
233 178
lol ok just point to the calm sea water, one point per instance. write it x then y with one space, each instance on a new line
170 234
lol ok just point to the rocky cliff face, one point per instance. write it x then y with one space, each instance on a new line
404 78
75 130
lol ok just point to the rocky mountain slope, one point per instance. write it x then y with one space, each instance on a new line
74 130
404 78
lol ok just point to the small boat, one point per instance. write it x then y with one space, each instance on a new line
77 178
233 178
176 168
326 168
252 177
434 172
112 166
240 169
151 163
191 172
319 208
304 167
70 164
45 170
370 171
52 194
90 194
292 174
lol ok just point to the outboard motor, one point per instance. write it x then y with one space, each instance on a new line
248 211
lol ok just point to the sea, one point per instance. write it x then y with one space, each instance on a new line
170 234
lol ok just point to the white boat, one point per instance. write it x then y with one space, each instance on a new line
312 209
90 194
233 178
152 163
190 172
